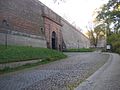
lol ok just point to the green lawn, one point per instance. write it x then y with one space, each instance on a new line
24 53
80 50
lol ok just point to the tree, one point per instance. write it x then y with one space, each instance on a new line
110 14
96 34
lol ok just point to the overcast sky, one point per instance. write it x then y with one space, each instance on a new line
77 12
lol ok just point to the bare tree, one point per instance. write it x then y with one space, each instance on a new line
96 33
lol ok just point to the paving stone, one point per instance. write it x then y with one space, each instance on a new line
54 76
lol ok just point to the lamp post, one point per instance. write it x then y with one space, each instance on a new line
105 39
95 42
86 44
6 26
78 44
6 35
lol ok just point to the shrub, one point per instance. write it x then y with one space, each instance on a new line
114 40
116 47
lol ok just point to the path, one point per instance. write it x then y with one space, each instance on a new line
59 75
106 78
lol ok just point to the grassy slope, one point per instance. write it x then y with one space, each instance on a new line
80 50
22 53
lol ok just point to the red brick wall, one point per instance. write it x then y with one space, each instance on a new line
25 21
26 16
20 24
22 15
51 26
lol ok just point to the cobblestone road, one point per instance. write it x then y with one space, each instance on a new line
59 75
106 78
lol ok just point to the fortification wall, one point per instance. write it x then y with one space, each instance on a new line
72 37
52 24
29 22
21 40
22 16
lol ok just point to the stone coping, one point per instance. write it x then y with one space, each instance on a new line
17 64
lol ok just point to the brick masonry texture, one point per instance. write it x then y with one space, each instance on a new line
21 40
23 16
30 18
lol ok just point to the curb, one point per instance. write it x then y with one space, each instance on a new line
17 64
89 83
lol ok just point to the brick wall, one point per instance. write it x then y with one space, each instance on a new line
51 26
21 40
29 22
23 16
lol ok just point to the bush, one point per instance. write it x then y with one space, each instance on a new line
118 50
116 47
114 40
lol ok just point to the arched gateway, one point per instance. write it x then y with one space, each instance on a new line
54 40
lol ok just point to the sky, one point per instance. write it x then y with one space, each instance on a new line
77 12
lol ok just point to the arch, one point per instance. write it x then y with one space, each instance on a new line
54 40
5 23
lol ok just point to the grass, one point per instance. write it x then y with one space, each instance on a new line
80 50
24 53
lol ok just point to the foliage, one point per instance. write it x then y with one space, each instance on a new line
23 53
114 40
116 47
110 14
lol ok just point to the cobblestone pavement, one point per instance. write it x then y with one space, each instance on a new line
58 75
106 78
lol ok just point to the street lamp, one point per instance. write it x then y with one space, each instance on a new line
95 42
78 44
105 39
6 25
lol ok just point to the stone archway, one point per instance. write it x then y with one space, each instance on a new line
54 40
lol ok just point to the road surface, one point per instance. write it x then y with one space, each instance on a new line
106 78
59 75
